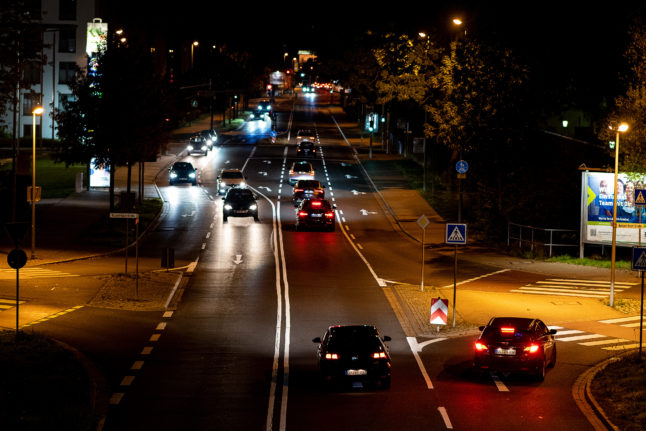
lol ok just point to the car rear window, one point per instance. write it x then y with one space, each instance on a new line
308 183
355 339
230 175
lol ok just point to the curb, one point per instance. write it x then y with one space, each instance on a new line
582 394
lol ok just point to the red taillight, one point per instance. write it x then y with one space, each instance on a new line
329 214
303 214
480 347
533 348
507 330
316 204
379 355
331 356
298 190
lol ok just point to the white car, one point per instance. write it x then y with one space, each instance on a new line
305 135
230 178
300 171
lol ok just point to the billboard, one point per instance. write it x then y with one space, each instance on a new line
597 208
99 174
97 33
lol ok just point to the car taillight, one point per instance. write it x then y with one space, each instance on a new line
481 347
316 204
507 330
532 348
302 214
298 190
331 356
378 355
329 214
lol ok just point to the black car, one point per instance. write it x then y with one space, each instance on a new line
197 145
239 202
308 189
182 172
515 344
210 137
315 213
258 115
349 353
306 149
265 106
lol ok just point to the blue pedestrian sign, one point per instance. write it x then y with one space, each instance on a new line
456 233
462 167
639 259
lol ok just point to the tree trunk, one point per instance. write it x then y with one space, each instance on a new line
112 169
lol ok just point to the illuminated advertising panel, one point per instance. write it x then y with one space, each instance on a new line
97 33
597 212
99 174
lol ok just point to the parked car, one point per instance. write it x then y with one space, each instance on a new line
349 353
300 171
308 189
239 202
182 172
230 178
197 145
515 344
315 214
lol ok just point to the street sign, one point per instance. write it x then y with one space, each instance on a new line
639 259
34 193
17 258
439 311
456 233
124 215
423 221
462 167
640 196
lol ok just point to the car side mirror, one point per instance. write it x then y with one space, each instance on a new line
316 340
481 328
387 338
552 331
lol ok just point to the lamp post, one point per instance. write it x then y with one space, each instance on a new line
621 128
193 45
38 110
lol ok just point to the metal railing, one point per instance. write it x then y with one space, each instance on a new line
536 237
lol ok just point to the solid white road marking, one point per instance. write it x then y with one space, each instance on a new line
412 342
499 384
475 278
445 417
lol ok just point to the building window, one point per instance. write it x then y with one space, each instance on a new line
31 73
29 102
66 72
28 128
64 98
67 40
67 10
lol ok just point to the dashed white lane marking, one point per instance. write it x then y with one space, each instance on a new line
208 235
168 314
161 326
445 417
137 365
116 398
155 337
127 380
499 384
146 350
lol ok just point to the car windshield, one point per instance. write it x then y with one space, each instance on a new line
516 329
308 184
231 175
182 166
354 338
239 194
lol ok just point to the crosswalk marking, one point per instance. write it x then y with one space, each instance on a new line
31 273
572 287
581 337
577 335
602 342
622 347
6 304
620 320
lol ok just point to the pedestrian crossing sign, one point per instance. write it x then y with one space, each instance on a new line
456 233
639 259
640 196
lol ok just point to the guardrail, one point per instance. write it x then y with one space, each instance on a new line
536 237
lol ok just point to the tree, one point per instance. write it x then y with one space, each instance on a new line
119 116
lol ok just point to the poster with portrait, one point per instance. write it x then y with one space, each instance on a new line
598 205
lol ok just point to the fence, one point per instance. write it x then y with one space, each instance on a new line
535 237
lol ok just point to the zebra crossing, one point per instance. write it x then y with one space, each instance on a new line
604 342
33 272
6 304
570 287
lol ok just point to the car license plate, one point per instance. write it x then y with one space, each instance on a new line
356 372
317 215
241 211
505 352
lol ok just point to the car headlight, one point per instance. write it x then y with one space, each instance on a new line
209 141
191 175
243 184
204 147
253 207
227 207
173 175
223 184
189 148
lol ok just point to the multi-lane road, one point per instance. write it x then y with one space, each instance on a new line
237 352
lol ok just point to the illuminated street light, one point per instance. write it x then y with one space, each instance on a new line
457 21
621 128
193 45
38 110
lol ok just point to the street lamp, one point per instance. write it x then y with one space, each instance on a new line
193 45
621 128
38 110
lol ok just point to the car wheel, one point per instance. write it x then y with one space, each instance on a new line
540 373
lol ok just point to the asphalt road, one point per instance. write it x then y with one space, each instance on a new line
236 352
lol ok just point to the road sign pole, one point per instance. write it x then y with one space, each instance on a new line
18 301
126 247
455 284
422 283
641 320
137 259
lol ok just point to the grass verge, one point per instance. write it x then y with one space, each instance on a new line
620 389
590 261
42 385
